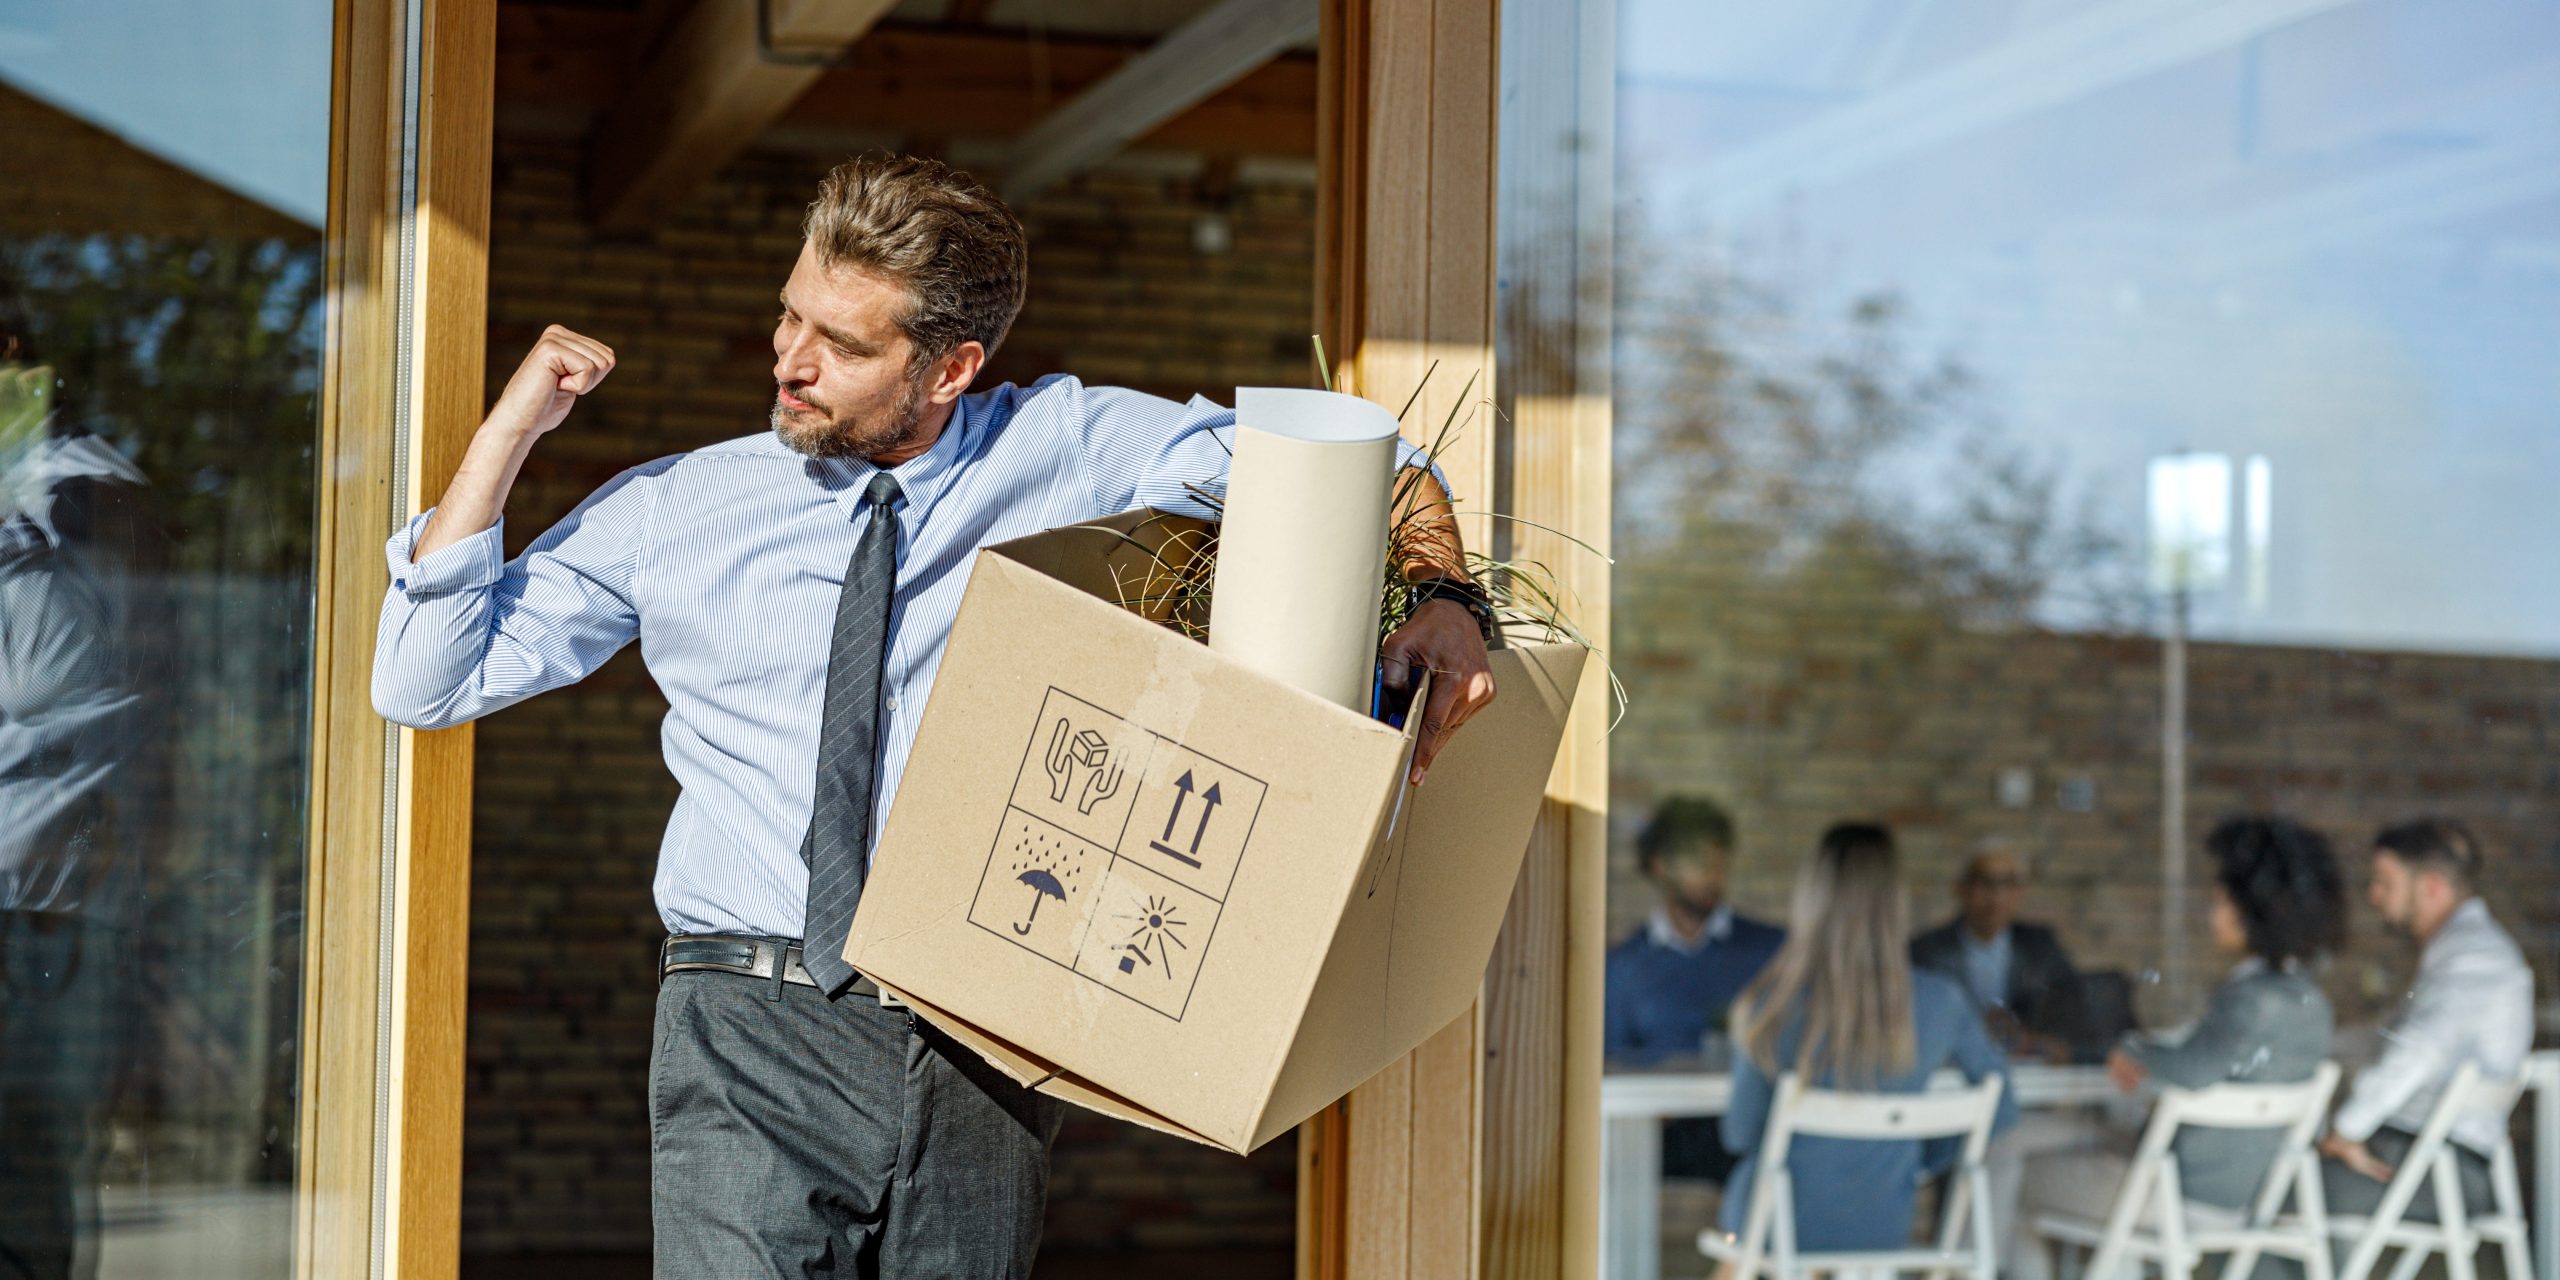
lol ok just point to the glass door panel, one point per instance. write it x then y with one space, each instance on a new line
164 173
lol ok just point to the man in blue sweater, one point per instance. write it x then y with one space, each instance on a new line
1671 981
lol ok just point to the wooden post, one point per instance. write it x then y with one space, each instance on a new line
1556 211
1462 1159
334 1180
381 1121
431 924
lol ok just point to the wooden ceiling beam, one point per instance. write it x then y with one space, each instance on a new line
726 71
1192 62
559 66
986 85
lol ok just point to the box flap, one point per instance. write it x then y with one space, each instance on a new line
1046 1077
1152 563
1410 952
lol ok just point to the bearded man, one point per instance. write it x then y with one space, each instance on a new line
792 592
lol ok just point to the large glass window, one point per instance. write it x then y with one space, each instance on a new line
163 175
2048 430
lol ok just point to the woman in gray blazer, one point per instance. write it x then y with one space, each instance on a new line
2279 903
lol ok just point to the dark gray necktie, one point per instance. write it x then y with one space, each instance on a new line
839 840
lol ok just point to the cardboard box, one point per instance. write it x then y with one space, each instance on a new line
1150 882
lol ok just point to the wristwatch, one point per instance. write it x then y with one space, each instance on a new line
1465 595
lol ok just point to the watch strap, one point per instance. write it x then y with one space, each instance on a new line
1465 595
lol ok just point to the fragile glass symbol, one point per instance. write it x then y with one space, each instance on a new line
1070 750
1155 932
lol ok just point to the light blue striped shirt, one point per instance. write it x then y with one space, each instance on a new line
725 564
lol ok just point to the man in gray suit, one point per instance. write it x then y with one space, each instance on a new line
2020 978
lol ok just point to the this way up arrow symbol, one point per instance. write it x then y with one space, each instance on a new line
1208 805
1183 785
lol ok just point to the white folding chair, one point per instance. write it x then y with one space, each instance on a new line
2123 1243
2431 1165
1767 1245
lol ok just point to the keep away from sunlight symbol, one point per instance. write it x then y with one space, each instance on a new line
1156 925
1043 885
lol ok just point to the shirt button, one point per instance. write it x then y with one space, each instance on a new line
893 702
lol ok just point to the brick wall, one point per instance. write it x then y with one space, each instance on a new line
571 790
1822 690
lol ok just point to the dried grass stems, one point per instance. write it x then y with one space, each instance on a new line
1171 581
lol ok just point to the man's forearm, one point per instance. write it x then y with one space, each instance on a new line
478 494
2383 1088
561 367
1426 531
1441 637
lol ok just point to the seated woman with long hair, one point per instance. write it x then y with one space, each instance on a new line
2279 904
1842 1009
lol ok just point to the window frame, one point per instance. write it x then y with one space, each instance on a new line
378 1185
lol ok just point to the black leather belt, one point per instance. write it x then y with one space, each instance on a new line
775 960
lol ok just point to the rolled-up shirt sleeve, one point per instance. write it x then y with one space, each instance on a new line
465 632
473 564
1147 451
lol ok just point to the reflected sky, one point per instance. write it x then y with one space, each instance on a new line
230 100
2325 232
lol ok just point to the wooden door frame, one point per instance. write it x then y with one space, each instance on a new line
378 1182
1475 1155
1478 1154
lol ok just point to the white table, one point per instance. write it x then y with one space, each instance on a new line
1633 1107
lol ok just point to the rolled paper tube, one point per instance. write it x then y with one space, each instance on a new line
1302 546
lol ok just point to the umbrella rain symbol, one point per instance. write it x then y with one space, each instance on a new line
1043 885
1047 862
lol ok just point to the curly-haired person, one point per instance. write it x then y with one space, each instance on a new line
2279 904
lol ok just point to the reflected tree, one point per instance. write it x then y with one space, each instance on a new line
1743 422
200 361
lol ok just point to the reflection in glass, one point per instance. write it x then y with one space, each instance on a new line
1970 268
161 309
1959 355
2057 427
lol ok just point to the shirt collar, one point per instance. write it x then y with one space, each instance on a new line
921 479
1662 933
2472 914
1999 941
